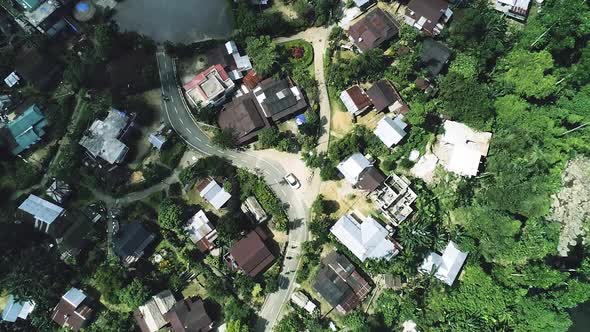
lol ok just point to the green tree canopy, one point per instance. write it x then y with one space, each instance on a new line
529 73
264 54
169 215
134 294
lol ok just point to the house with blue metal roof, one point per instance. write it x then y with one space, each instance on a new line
16 309
45 216
27 129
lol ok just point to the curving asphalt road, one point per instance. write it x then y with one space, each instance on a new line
182 121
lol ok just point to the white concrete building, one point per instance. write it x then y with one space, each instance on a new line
460 149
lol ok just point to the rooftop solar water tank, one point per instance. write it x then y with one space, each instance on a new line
84 11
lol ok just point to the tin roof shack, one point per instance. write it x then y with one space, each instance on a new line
14 310
189 315
73 310
366 239
517 9
241 62
395 198
301 300
103 142
210 87
446 267
45 216
252 208
213 193
360 172
340 284
373 30
250 254
384 96
201 231
59 191
150 316
131 241
428 16
355 100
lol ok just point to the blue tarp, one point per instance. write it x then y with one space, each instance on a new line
300 119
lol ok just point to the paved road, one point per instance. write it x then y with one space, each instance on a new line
184 124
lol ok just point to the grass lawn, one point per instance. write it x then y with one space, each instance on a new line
3 300
346 198
194 289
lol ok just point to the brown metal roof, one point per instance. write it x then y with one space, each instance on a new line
65 314
432 10
358 96
373 29
251 254
370 179
383 95
244 117
251 80
189 315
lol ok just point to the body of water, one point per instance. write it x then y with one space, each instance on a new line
177 21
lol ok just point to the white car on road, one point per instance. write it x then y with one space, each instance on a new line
292 181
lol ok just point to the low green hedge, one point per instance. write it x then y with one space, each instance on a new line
307 58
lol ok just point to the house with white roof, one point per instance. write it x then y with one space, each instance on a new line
213 193
360 172
461 148
366 239
16 309
445 267
45 216
201 231
103 138
12 79
391 131
243 63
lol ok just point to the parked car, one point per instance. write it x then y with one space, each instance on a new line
292 181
